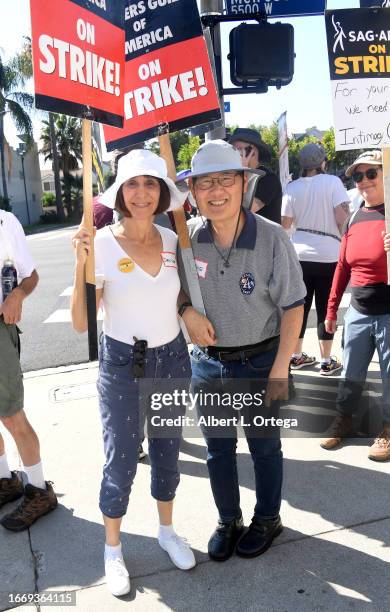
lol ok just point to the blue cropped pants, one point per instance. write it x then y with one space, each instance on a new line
123 402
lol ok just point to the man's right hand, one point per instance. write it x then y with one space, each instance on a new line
199 328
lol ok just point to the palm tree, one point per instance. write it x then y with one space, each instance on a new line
65 132
24 64
68 139
15 102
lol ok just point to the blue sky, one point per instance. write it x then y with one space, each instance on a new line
307 99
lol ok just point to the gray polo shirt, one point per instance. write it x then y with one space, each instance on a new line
245 301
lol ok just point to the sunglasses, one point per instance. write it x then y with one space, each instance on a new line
139 352
371 174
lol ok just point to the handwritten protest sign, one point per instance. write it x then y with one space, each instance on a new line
284 170
359 64
78 58
168 77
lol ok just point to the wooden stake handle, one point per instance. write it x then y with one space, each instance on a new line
87 196
179 216
386 182
88 224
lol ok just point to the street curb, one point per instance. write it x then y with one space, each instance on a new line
61 370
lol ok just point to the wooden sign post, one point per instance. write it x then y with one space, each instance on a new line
386 181
181 228
88 224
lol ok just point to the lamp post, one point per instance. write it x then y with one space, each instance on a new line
2 157
215 7
22 152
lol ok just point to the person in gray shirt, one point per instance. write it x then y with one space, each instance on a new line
253 292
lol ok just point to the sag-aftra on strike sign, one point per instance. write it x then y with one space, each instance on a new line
78 58
359 65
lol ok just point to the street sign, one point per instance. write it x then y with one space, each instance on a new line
275 8
227 107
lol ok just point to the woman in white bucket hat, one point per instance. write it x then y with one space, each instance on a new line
142 348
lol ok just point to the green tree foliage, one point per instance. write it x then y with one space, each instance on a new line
178 140
15 102
68 141
72 193
187 151
48 199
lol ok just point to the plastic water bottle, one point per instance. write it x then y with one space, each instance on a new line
9 278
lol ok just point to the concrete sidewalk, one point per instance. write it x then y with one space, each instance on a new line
332 555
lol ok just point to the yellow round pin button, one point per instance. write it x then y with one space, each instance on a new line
126 265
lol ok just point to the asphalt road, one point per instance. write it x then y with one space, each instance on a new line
48 339
48 344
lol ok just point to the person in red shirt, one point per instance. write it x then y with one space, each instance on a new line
363 263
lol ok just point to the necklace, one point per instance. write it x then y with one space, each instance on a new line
225 260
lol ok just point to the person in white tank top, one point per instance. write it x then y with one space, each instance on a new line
137 284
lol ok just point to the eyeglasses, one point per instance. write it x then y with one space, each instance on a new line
227 180
139 351
371 174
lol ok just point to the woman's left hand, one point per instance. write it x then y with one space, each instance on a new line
386 241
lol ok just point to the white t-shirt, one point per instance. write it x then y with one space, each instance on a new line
311 201
13 245
356 199
134 302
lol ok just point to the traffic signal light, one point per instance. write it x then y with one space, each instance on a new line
262 53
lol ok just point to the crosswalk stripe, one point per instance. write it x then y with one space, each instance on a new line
62 315
52 235
67 292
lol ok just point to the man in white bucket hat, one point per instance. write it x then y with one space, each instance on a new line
253 292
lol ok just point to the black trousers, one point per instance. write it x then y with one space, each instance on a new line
318 280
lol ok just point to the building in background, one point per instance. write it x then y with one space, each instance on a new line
24 183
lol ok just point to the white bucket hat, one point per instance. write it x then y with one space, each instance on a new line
144 163
218 156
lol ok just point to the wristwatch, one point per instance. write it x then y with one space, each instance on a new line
182 308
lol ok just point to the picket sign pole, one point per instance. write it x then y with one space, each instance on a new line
88 224
386 181
182 230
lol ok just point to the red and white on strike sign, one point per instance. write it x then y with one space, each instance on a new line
78 60
170 85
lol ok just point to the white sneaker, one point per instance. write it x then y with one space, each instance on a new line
179 551
117 576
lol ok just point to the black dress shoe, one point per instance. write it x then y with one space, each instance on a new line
258 537
224 539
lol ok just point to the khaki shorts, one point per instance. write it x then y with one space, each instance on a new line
11 378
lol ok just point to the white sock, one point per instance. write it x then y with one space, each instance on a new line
5 472
112 552
296 355
165 531
35 476
325 361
